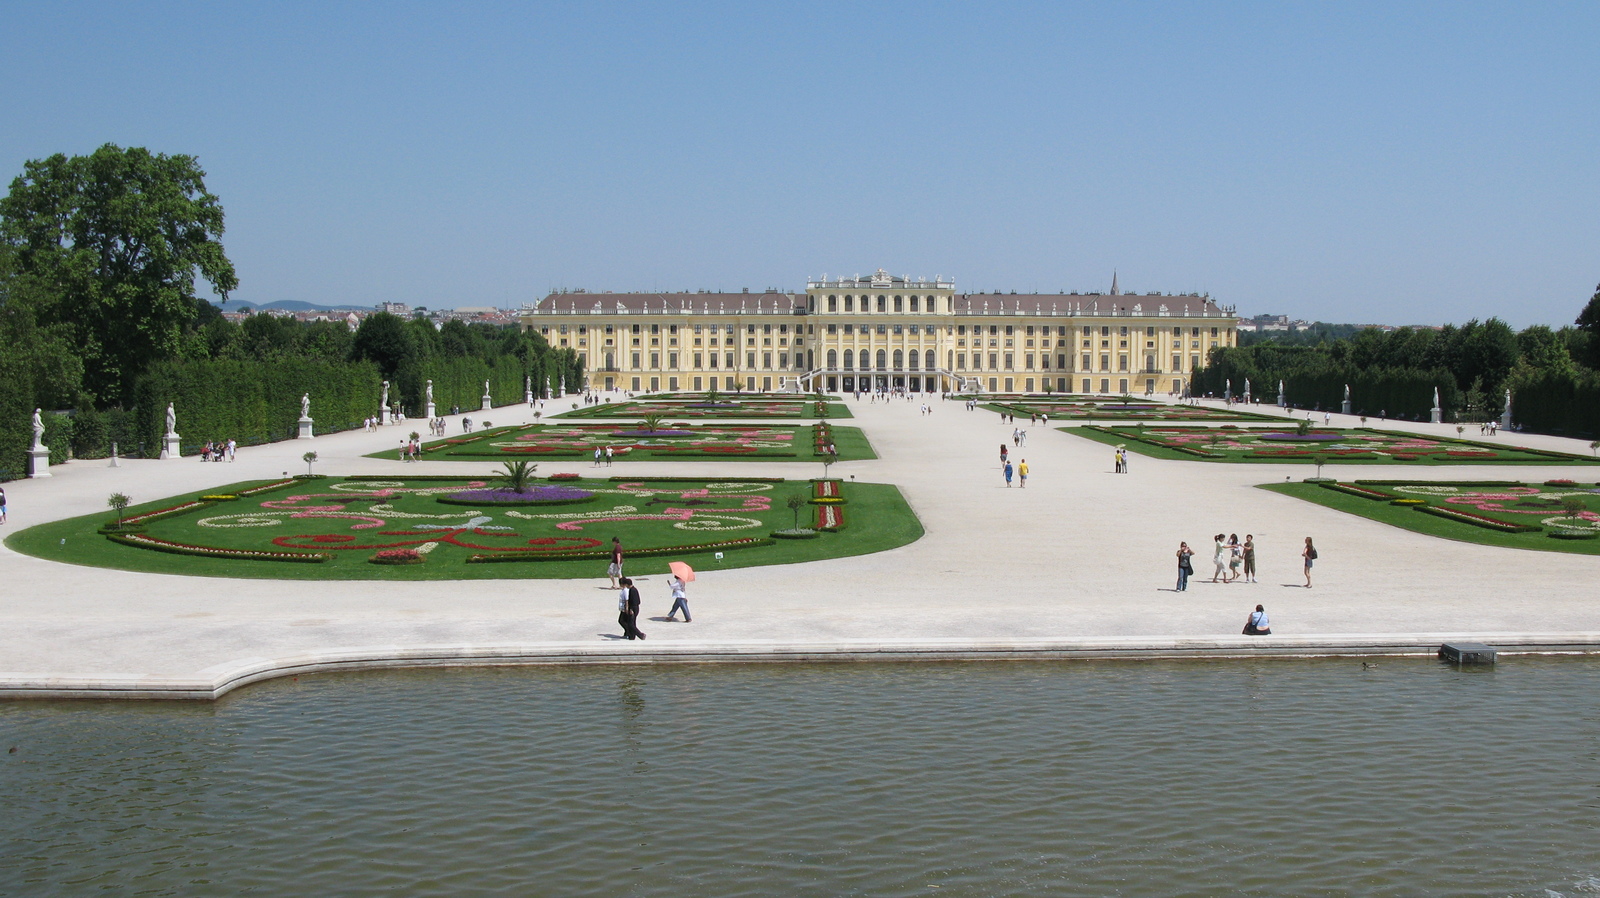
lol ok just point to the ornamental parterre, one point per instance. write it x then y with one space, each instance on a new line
1356 445
385 521
629 441
722 407
1507 507
1104 410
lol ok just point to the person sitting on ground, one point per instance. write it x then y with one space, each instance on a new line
1258 624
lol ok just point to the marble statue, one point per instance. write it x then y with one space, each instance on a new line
485 388
429 392
305 405
172 419
38 428
1346 392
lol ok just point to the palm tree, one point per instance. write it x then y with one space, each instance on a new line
517 475
651 422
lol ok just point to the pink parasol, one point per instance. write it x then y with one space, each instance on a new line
681 571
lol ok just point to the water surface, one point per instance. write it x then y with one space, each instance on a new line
1158 778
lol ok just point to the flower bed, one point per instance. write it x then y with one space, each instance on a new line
830 518
397 556
826 492
538 495
1477 520
747 542
1358 491
161 545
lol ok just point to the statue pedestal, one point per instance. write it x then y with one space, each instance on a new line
1437 416
39 462
1505 420
169 447
431 413
488 404
1344 407
383 415
527 396
306 432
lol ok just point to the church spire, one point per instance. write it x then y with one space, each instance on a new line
1114 290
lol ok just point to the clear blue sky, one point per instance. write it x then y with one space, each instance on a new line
1382 162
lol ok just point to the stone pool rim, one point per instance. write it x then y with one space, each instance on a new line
219 680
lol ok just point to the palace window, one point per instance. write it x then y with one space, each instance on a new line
636 360
833 303
699 360
898 304
849 304
1061 361
882 357
1105 361
672 360
655 360
883 303
930 357
766 360
749 360
849 357
1122 363
913 304
994 361
655 328
899 359
636 328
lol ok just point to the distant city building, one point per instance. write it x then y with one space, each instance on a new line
886 332
395 308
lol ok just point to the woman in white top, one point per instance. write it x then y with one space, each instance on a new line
1219 555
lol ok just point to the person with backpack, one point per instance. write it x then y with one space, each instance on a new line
1310 555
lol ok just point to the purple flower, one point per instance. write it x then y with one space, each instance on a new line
534 494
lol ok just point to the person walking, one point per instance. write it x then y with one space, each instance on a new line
1219 556
680 599
1185 566
2 505
1008 475
1250 558
1310 555
1022 472
1235 557
1258 624
628 610
1003 453
608 456
598 455
614 570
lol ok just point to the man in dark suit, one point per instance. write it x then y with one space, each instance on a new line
628 610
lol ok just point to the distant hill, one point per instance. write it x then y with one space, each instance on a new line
295 305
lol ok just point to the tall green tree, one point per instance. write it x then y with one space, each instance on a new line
384 340
1589 325
116 241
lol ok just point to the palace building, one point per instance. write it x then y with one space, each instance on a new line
887 333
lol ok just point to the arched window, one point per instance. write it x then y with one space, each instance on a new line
915 357
849 354
899 305
849 304
833 303
899 360
932 364
913 304
882 357
883 305
833 358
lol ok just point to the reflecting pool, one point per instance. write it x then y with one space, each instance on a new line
1155 778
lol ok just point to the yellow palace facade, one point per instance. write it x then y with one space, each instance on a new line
886 332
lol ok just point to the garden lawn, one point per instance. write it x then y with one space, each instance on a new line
1113 410
1469 506
705 408
672 442
1284 444
349 520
